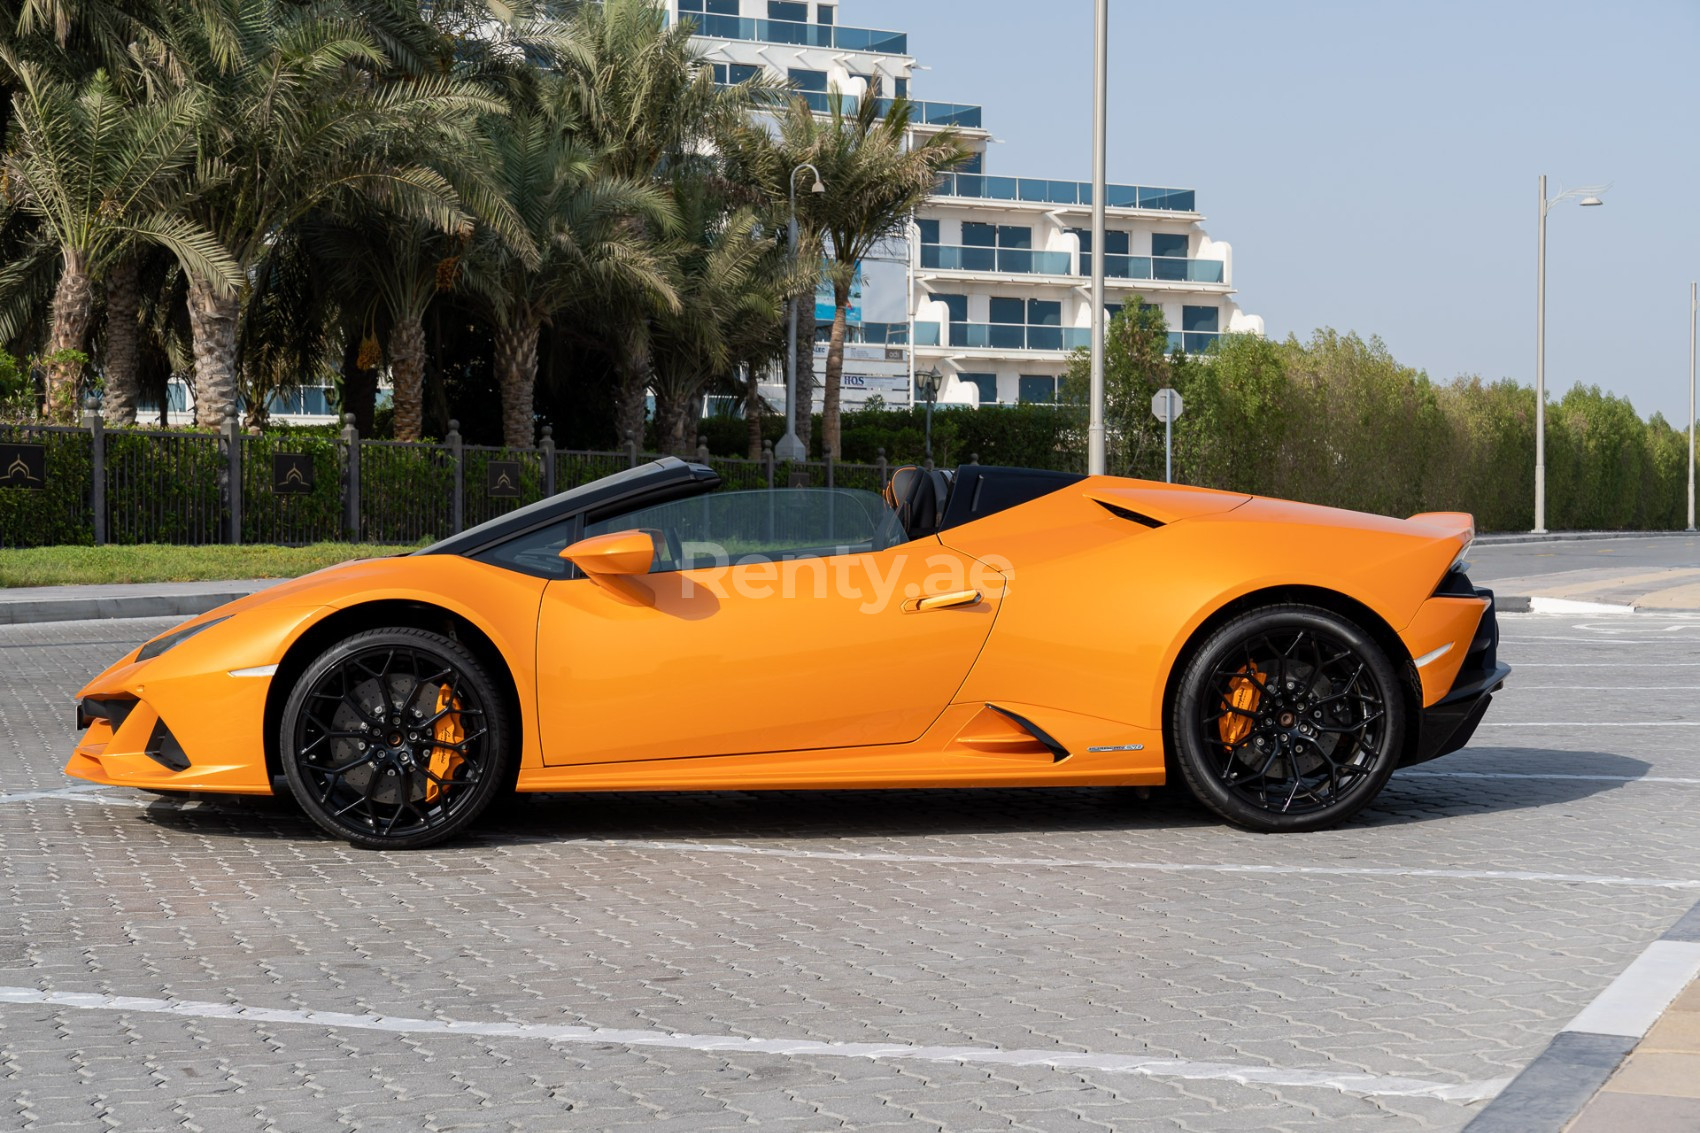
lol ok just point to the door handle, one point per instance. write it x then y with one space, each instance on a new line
946 601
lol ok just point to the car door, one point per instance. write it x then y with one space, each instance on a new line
772 620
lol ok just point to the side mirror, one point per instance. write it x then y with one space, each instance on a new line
616 553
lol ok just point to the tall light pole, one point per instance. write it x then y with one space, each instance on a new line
1100 113
1693 311
1590 197
790 446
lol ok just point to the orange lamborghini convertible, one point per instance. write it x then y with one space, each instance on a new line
994 627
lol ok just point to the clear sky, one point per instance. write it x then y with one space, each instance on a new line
1374 164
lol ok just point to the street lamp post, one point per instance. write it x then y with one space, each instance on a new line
790 446
928 383
1100 117
1693 310
1589 197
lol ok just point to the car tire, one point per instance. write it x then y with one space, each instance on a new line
395 739
1288 718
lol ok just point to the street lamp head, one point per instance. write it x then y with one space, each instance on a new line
927 382
820 187
1589 202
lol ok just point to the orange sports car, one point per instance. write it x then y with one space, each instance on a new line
991 627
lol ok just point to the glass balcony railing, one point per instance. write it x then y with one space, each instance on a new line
1015 336
880 334
1192 341
1023 261
1170 269
1014 261
980 186
1009 336
920 113
801 35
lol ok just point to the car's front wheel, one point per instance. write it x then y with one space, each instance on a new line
394 739
1288 718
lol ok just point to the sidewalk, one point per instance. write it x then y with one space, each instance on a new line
1629 1061
1657 1088
142 600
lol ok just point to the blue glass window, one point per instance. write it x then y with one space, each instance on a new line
901 87
1200 318
957 305
824 14
713 7
788 10
1014 236
731 74
1168 244
1010 310
976 163
977 235
1044 312
1037 388
807 80
987 384
929 231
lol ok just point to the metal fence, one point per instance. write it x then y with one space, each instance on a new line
89 484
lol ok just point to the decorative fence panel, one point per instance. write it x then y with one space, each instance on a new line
93 485
407 492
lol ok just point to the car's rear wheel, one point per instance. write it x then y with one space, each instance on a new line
1288 718
394 739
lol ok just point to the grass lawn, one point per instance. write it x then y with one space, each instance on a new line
64 566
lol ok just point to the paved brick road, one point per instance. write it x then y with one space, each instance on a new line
173 965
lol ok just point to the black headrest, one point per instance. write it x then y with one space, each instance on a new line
919 496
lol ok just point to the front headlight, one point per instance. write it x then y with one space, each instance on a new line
173 639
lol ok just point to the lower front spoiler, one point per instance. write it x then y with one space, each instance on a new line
1448 724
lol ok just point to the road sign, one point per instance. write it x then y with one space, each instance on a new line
1166 405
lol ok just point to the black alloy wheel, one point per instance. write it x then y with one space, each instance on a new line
394 739
1289 718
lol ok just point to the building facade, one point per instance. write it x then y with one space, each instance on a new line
991 284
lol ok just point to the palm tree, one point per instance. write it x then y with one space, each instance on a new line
580 242
102 174
729 274
875 178
297 122
640 93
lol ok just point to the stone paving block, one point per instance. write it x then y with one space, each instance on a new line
1616 1113
1656 1072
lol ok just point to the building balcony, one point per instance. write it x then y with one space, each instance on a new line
962 116
1014 336
1025 261
1033 190
801 35
1009 261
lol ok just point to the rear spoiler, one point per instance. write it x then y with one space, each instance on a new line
1460 525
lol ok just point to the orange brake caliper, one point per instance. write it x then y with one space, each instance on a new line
448 730
1244 694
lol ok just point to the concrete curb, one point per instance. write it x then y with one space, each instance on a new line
1504 538
89 603
1553 1089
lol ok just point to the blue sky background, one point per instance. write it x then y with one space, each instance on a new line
1374 164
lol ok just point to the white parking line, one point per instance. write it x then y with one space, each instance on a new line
1347 1083
1543 775
84 794
1281 871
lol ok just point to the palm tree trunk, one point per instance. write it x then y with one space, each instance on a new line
752 410
73 306
516 377
407 371
123 307
212 322
834 369
672 411
631 407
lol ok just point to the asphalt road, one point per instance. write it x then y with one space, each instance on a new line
1492 561
1038 960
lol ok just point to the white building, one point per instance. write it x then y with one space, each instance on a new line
992 284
